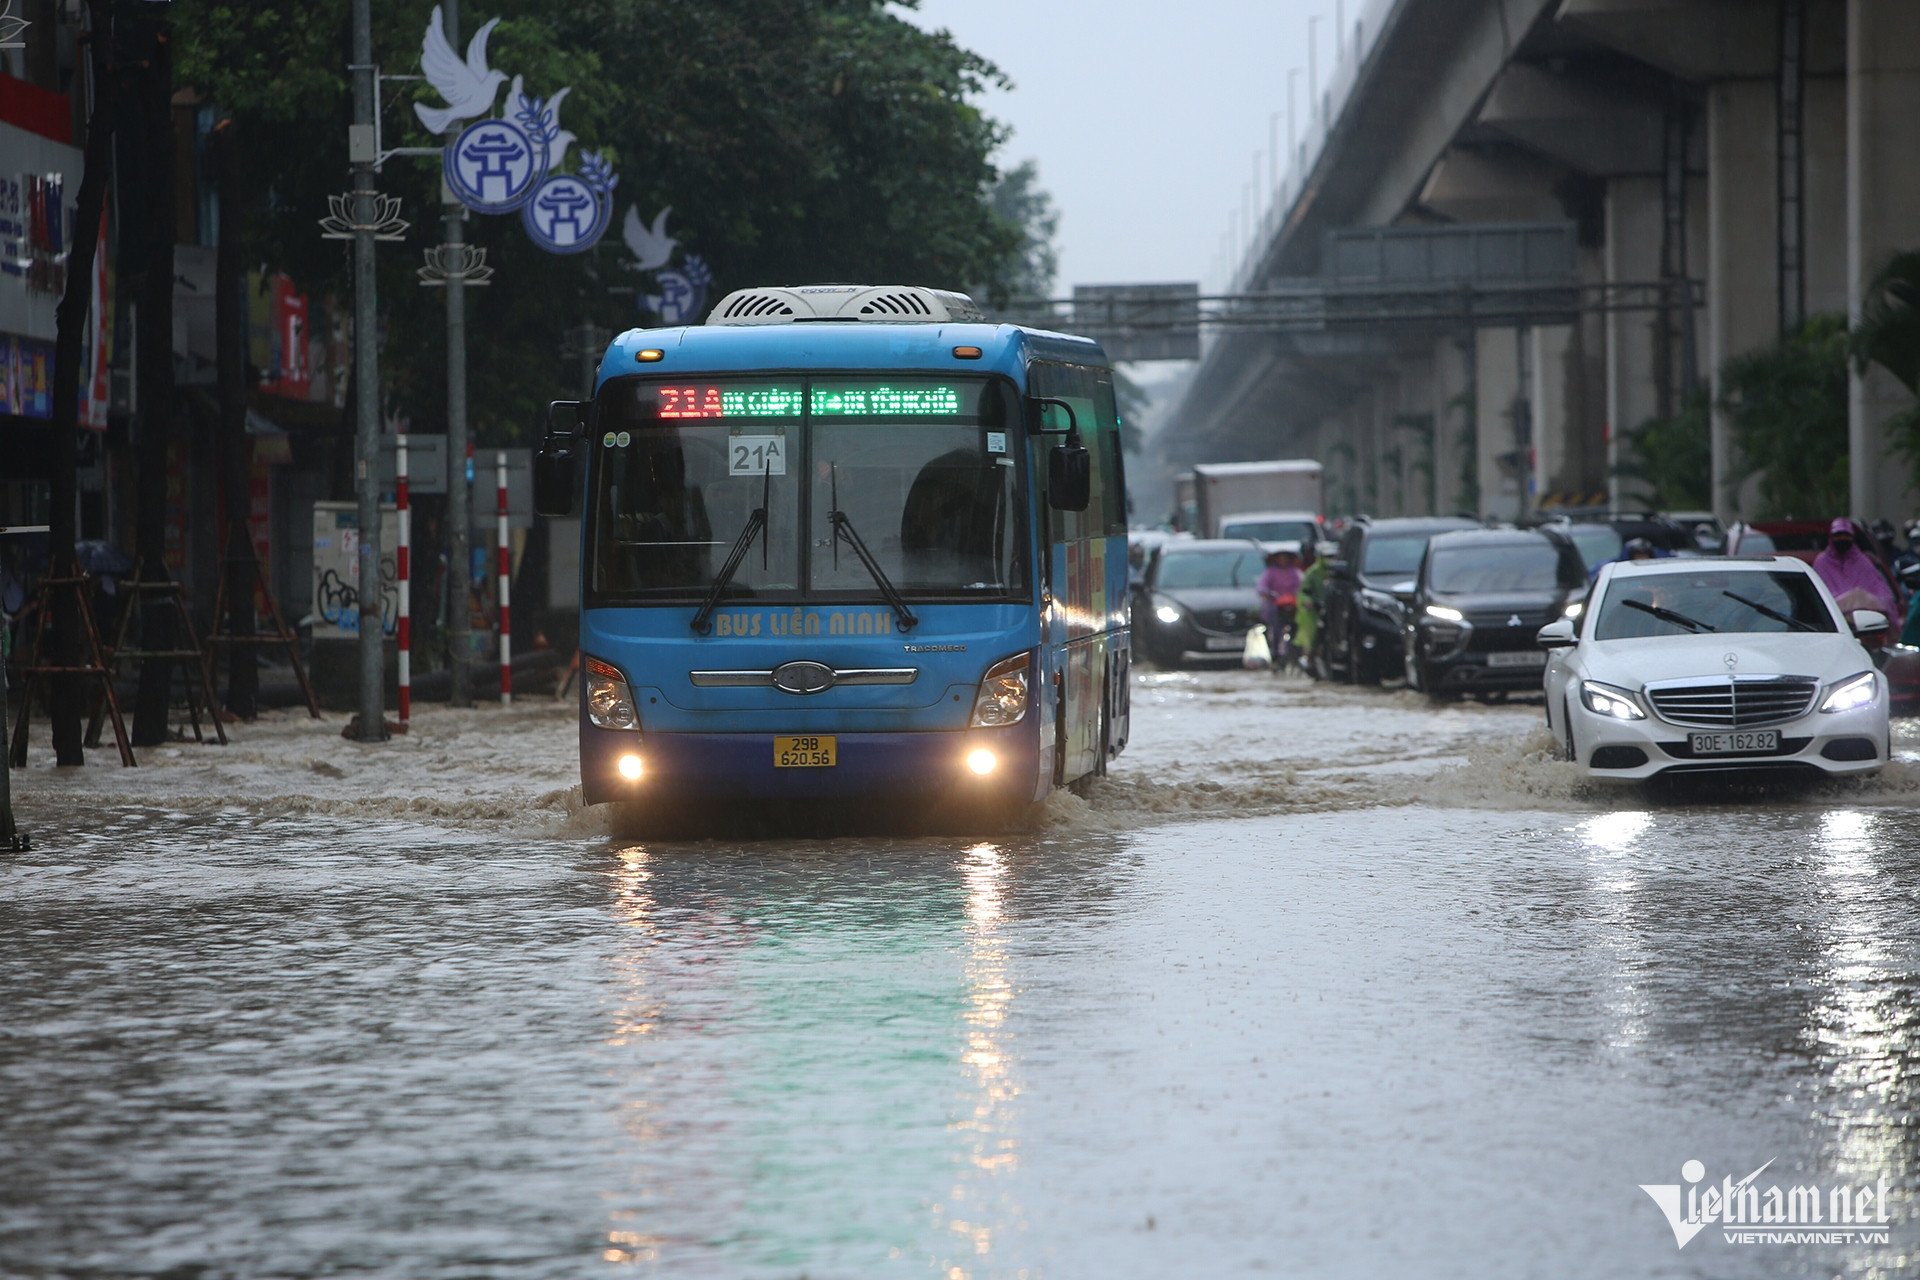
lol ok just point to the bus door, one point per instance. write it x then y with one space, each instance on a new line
1081 632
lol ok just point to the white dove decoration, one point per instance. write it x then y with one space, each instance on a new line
542 119
653 248
469 87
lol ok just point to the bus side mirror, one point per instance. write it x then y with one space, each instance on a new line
554 487
567 419
1070 476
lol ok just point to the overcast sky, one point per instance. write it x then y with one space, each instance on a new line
1144 118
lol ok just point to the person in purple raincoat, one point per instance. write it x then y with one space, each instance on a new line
1847 570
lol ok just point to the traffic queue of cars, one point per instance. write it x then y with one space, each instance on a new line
1676 659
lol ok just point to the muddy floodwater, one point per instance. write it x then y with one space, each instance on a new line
1321 982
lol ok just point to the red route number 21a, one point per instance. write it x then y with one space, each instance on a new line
690 402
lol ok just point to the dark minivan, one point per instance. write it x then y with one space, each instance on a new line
1479 599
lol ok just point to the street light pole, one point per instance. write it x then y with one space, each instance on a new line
366 372
459 497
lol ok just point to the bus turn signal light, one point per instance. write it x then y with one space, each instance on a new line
649 355
966 353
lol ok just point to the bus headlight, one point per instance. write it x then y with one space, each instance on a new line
609 700
1002 699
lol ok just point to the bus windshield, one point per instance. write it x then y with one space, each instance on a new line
923 470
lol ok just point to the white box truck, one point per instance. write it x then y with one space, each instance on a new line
1279 500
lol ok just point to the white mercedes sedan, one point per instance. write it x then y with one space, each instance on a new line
1715 664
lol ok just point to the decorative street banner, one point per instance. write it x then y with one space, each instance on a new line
512 163
682 290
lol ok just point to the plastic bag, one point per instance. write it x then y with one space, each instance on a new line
1256 656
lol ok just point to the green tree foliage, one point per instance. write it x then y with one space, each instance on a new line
1788 405
797 141
1673 457
1889 335
1019 201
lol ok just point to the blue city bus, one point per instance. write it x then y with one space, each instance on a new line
846 541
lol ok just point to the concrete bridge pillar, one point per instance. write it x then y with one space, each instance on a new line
1413 434
1634 230
1497 402
1743 240
1883 217
1451 392
1556 417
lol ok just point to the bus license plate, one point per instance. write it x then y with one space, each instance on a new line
815 751
1727 744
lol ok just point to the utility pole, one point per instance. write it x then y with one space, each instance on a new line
459 497
366 371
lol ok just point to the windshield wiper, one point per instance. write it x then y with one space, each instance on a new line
1796 623
843 528
755 526
1668 615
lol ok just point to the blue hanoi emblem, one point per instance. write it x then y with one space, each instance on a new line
564 215
494 166
683 292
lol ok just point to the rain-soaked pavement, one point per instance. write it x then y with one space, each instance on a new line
1322 982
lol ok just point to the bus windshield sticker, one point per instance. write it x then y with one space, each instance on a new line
996 442
756 455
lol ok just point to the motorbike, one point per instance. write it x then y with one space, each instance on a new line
1280 637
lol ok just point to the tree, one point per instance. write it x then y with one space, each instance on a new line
1788 405
63 608
1673 457
1018 201
1889 335
147 248
796 141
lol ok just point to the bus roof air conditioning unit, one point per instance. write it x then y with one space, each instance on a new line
885 303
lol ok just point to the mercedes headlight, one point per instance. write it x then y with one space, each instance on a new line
1002 699
1605 700
1167 614
1853 692
609 700
1574 609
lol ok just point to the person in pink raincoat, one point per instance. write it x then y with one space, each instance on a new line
1279 590
1849 571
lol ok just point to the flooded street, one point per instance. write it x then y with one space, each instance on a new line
1321 981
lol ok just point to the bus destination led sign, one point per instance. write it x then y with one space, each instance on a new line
824 400
922 400
712 401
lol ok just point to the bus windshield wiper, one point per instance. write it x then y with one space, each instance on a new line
1668 615
1796 623
755 526
843 528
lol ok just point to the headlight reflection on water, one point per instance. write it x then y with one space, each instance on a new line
1861 1027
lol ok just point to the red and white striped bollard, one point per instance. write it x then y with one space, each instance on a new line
505 555
403 562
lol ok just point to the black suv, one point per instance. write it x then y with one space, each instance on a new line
1369 586
1479 600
